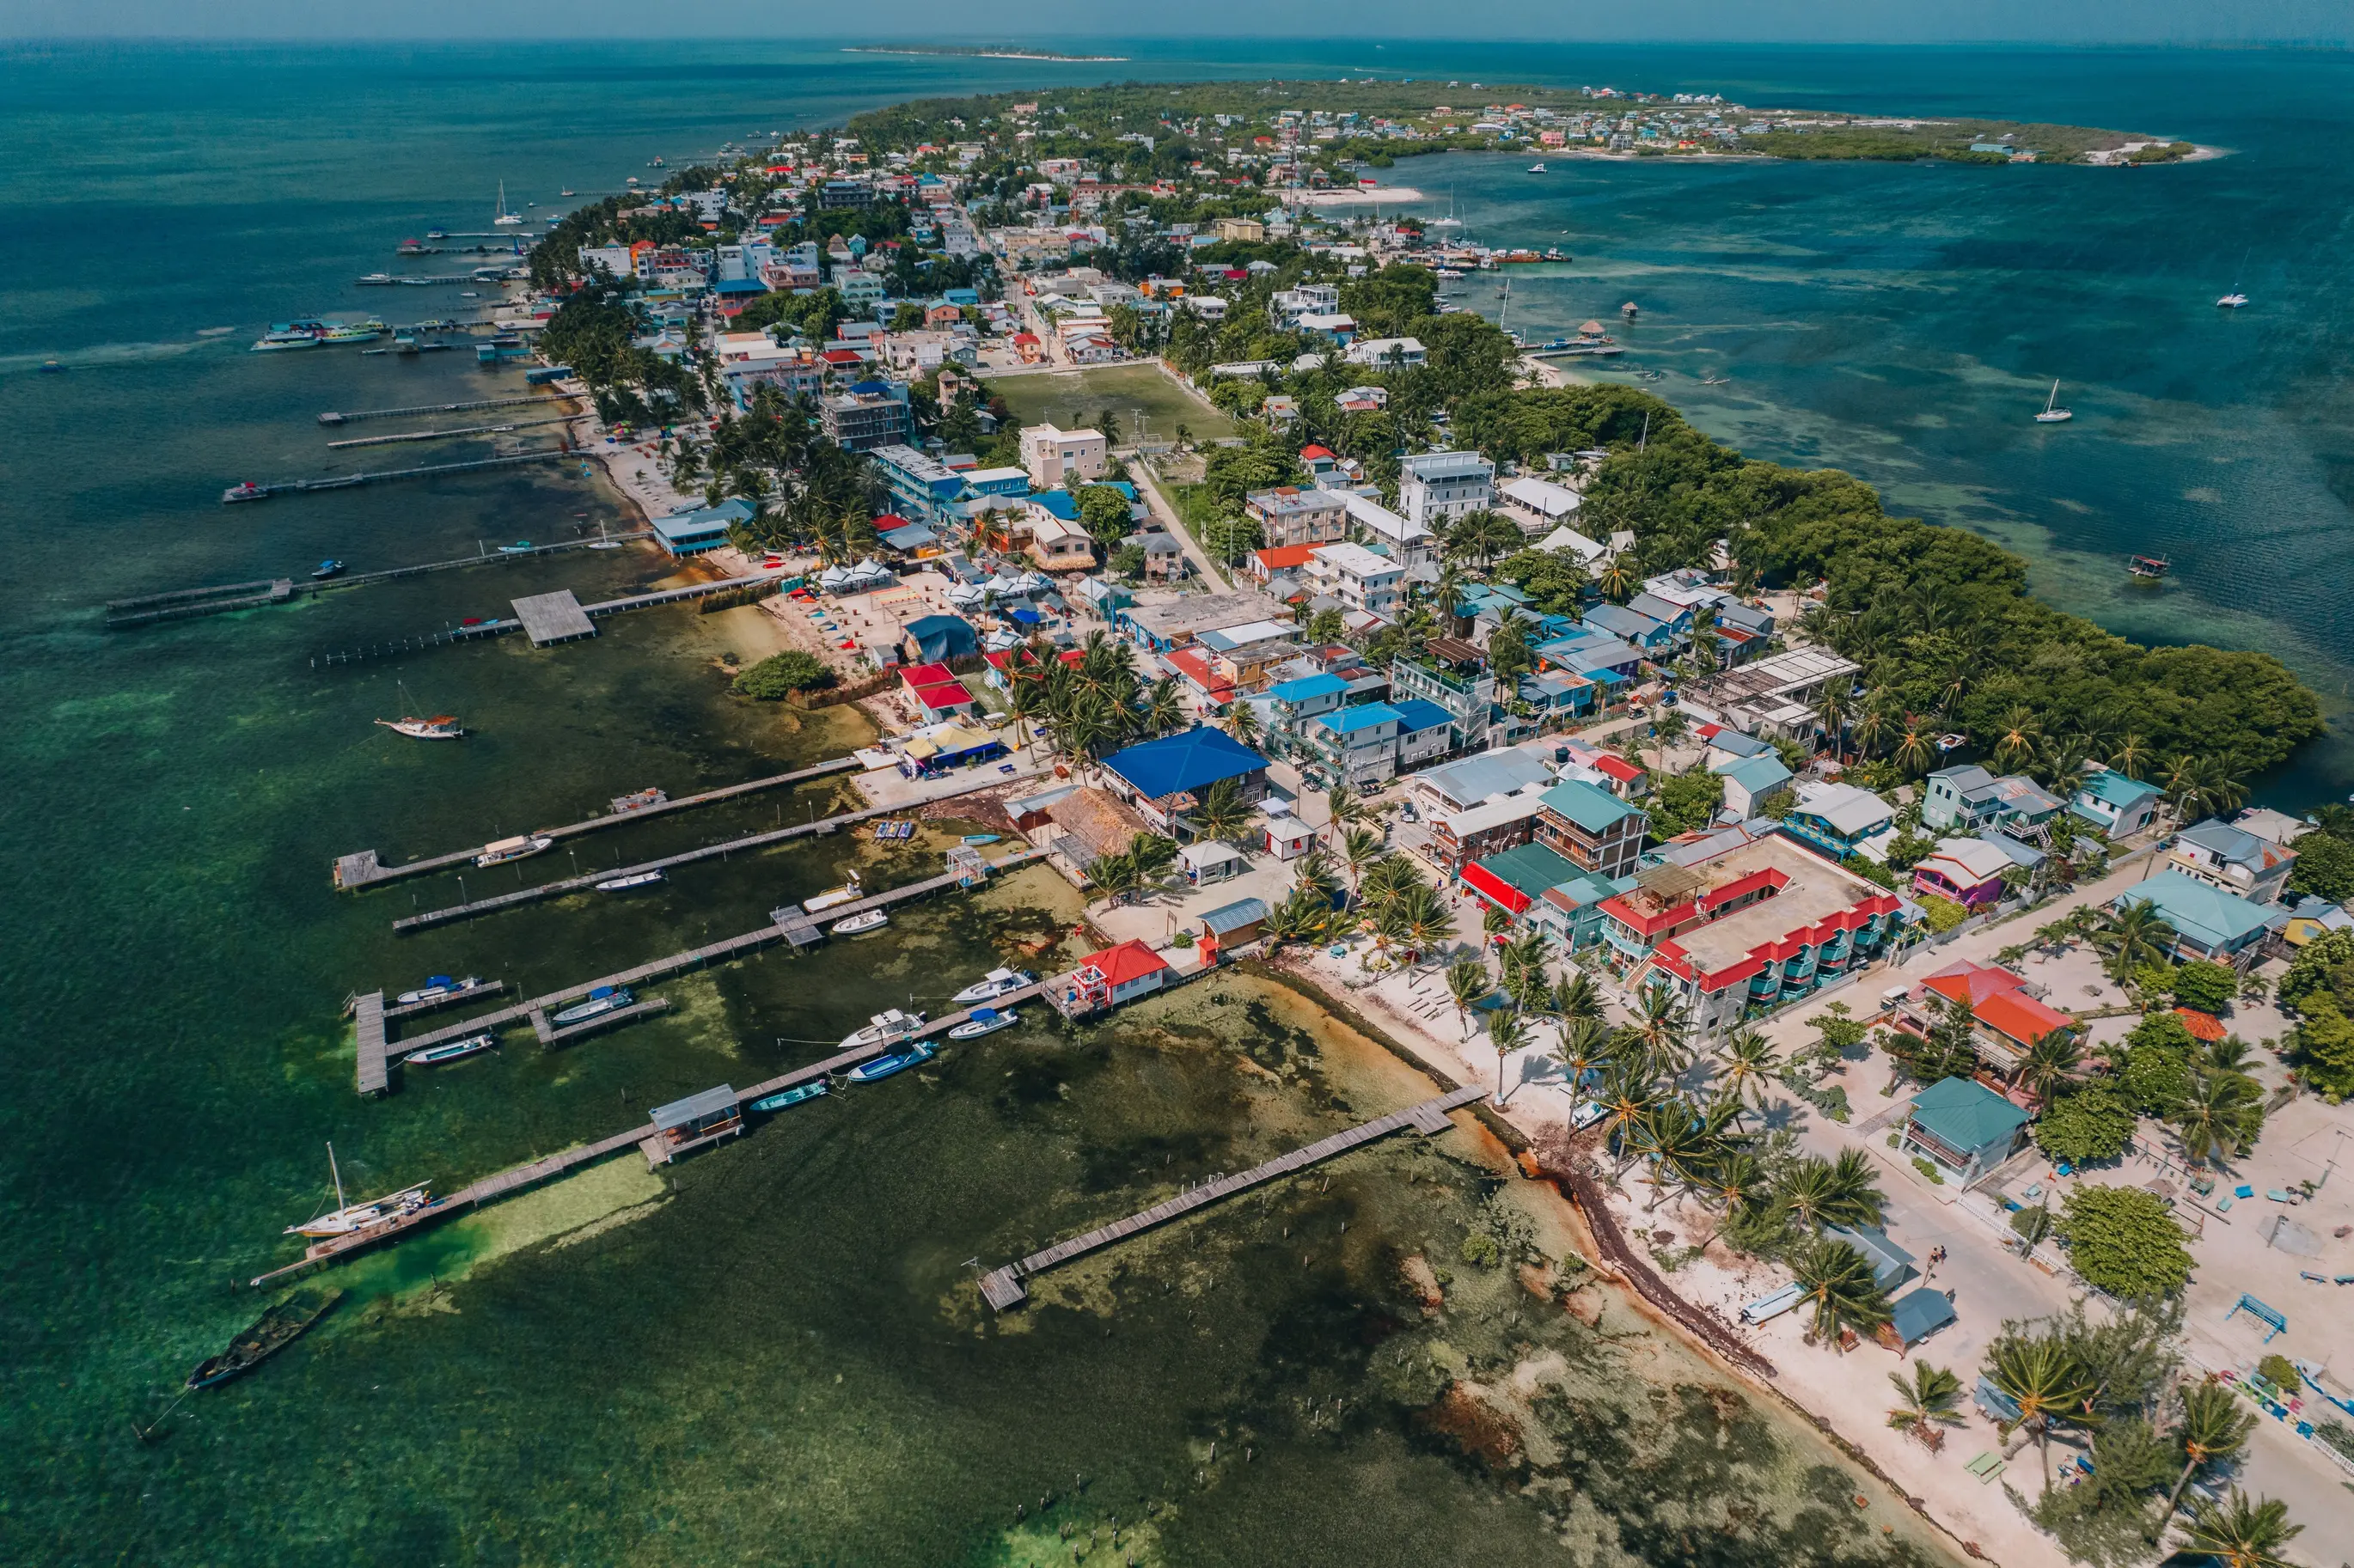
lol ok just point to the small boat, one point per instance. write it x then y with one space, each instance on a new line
1715 380
438 988
567 192
440 726
884 1066
52 368
653 796
627 883
2148 568
501 218
859 924
453 1049
244 490
328 568
605 999
278 1326
792 1097
980 838
498 851
882 1028
2052 413
1536 168
847 893
995 984
984 1021
437 234
520 547
346 1217
2231 301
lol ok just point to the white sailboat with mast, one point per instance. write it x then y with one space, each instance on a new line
345 1218
503 218
2052 413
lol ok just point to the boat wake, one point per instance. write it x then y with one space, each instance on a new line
98 355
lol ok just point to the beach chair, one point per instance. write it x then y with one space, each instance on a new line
2309 1274
2345 1279
1987 1466
2276 1195
2224 1205
2243 1190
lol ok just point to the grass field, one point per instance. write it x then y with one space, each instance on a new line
1140 395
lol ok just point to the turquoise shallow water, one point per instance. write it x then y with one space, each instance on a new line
173 960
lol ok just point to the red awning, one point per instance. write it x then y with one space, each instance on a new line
1493 888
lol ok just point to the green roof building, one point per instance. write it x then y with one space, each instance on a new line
1965 1127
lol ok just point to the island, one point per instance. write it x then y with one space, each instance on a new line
979 51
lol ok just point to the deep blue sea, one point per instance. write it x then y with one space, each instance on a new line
771 1362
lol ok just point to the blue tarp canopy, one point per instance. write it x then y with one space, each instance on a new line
939 637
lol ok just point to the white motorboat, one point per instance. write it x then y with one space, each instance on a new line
992 985
858 925
884 1027
628 884
847 893
499 852
438 988
2052 413
345 1218
984 1021
453 1049
605 999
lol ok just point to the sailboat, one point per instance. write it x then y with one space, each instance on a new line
2052 413
1450 220
440 726
2235 300
345 1218
1536 168
503 218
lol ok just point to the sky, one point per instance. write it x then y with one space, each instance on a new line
1055 23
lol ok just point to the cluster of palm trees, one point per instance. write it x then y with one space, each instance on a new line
1096 704
1386 895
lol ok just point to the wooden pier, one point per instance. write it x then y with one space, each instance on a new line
348 481
1003 1289
660 968
450 435
188 603
335 418
362 868
592 611
435 1004
518 1177
374 1066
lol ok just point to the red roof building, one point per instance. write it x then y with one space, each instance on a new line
1265 564
1109 977
1627 780
936 692
2011 1019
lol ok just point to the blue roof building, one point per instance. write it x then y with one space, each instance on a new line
1630 626
2208 922
1162 777
1964 1128
1752 781
2116 804
931 638
705 528
1915 1317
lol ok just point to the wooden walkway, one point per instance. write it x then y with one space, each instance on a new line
563 885
1002 1287
534 1171
660 968
333 419
362 868
374 1066
434 1004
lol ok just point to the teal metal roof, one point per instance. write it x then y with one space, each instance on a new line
1529 868
1965 1115
1596 810
2116 789
2196 909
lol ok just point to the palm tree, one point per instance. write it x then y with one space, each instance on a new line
1153 855
1242 722
1507 1034
1220 811
1115 876
1617 578
1807 1192
1869 724
1523 961
2218 1115
1854 1197
2129 755
1663 1026
1577 996
1342 807
1830 715
2133 937
1932 1397
1583 1047
1737 1179
2020 734
1387 880
1312 872
1628 1088
2051 1063
1914 752
1422 918
1163 708
2213 1428
1749 1063
2239 1533
1839 1282
1360 849
1467 984
2047 1382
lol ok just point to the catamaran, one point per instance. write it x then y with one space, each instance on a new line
2052 413
503 218
345 1218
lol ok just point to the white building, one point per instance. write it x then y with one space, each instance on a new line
1538 505
1358 577
1436 488
1408 544
1386 351
1052 456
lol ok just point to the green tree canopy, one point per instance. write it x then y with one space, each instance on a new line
781 674
2085 1128
2122 1241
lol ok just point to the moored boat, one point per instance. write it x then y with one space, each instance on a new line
438 988
500 851
884 1066
245 490
344 1217
883 1028
635 880
278 1326
453 1049
440 726
847 893
859 924
605 999
984 1021
980 838
995 984
651 796
792 1097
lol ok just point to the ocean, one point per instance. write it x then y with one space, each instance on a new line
775 1358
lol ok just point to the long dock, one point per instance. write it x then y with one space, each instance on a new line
332 418
551 621
446 435
1003 1288
362 868
487 558
349 480
660 968
518 1177
188 603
